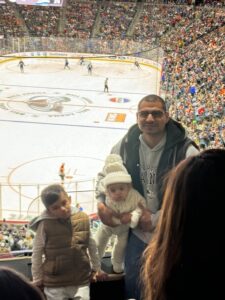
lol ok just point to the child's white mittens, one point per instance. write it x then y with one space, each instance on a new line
135 216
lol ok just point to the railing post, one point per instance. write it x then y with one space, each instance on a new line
18 45
93 188
0 202
20 200
38 194
76 194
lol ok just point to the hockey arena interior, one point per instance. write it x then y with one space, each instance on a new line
71 76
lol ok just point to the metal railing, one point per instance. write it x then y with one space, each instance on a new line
23 202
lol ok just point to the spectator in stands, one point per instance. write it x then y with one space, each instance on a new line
15 237
185 259
149 150
63 236
15 286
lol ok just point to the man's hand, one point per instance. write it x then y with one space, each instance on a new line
106 214
145 221
39 285
98 276
125 218
37 282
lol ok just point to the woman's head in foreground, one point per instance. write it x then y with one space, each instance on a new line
191 230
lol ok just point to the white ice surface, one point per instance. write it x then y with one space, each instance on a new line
49 115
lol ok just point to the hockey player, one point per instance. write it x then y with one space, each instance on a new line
90 67
136 63
66 66
106 87
81 61
21 64
62 172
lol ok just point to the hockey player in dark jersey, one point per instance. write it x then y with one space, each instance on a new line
136 63
90 67
106 86
81 61
66 65
21 65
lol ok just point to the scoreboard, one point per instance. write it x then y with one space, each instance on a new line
41 2
37 2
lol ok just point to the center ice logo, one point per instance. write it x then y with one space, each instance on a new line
47 104
41 104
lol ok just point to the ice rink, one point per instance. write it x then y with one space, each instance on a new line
50 115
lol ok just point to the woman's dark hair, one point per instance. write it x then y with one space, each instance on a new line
14 286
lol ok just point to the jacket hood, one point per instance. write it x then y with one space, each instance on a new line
33 225
175 133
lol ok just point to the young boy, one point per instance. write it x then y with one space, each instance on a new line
126 204
63 237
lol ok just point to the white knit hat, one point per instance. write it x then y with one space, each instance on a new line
115 171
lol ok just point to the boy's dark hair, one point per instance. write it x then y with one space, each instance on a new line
51 194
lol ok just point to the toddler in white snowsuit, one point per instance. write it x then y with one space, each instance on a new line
126 204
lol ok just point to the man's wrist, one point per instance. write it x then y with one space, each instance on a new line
37 282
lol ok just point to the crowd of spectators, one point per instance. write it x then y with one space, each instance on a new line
193 77
14 237
80 18
10 24
116 18
192 37
40 21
